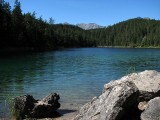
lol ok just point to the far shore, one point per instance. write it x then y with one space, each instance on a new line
29 50
127 47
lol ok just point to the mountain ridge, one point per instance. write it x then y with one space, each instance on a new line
89 26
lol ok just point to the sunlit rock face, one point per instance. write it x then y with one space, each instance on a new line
122 99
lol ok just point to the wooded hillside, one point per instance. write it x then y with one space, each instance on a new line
18 30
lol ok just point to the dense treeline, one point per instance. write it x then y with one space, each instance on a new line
137 32
25 31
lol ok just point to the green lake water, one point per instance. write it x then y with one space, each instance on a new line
77 74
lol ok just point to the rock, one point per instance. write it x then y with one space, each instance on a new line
27 106
23 105
142 105
152 111
51 99
112 104
47 106
146 96
147 82
120 98
89 26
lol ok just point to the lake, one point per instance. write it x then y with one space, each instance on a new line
77 74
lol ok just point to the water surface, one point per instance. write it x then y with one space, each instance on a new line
76 74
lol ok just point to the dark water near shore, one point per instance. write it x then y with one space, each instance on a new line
76 74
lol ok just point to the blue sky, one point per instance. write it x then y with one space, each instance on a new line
102 12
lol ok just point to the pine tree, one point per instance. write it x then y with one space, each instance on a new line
17 24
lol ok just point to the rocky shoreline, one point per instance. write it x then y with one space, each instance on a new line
67 111
133 97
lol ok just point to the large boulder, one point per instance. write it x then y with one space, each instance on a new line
23 105
152 111
112 104
27 106
120 98
147 82
46 107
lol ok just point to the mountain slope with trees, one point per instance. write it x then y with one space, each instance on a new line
137 32
25 31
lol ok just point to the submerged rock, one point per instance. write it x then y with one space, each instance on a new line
120 98
27 106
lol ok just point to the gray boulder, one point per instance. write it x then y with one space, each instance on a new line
112 104
27 106
147 82
152 111
120 98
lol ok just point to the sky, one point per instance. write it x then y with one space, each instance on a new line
102 12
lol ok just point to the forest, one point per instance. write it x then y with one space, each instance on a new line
137 32
25 31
